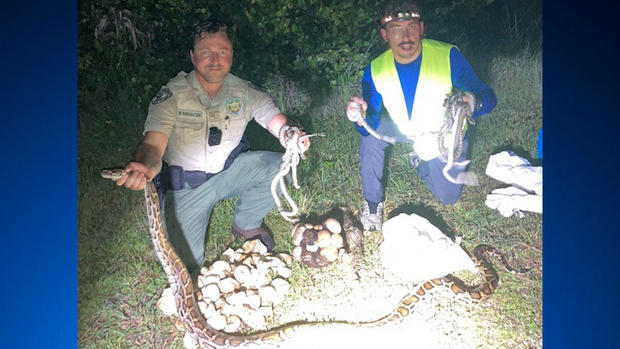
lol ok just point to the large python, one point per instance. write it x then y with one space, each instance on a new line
207 337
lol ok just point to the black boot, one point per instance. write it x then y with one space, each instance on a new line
259 232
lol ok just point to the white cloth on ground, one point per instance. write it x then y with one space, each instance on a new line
515 170
511 200
416 250
526 180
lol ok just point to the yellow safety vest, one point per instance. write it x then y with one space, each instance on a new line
434 83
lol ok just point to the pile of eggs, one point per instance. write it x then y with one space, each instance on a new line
238 291
318 245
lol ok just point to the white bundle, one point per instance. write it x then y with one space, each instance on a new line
526 180
416 250
512 169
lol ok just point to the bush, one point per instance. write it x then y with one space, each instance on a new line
289 97
519 77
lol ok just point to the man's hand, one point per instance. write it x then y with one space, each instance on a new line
289 133
354 108
470 99
305 142
137 175
147 161
278 126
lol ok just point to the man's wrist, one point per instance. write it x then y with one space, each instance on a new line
149 156
478 105
475 101
286 133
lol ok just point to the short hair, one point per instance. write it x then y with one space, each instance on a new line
208 29
393 7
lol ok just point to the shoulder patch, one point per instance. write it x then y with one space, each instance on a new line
162 95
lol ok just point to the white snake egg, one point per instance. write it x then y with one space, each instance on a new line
324 238
241 273
336 240
333 225
297 237
297 233
297 253
330 253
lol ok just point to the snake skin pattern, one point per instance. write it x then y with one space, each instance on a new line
457 112
207 337
451 136
354 238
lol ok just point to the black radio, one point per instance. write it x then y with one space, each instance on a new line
215 136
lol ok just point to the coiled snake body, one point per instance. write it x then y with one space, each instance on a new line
457 112
207 337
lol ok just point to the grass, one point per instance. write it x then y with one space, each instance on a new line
120 279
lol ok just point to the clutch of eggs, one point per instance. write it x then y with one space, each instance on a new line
238 291
325 238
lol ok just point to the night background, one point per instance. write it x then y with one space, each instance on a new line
309 55
103 75
39 297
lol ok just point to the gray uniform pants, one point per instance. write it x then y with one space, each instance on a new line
187 211
372 164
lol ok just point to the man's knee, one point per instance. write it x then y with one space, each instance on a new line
260 165
447 193
449 199
269 160
431 174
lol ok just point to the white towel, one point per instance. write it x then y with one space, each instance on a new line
511 200
515 170
526 180
416 250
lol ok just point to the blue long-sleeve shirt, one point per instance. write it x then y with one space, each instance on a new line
463 77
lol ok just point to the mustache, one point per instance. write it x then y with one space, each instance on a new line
406 43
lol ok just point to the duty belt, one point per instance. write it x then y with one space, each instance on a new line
175 177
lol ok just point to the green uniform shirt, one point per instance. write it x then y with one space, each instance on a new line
185 112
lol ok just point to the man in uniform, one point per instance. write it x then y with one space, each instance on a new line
195 125
411 80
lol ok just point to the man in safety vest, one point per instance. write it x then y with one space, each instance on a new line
196 125
411 80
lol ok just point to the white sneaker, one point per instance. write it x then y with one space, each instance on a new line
372 222
414 159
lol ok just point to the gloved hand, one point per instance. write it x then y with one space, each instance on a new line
354 109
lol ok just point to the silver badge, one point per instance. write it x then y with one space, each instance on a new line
162 95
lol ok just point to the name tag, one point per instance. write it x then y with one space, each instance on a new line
190 113
214 115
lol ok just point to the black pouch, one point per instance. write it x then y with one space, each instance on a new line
161 183
178 177
215 136
175 177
